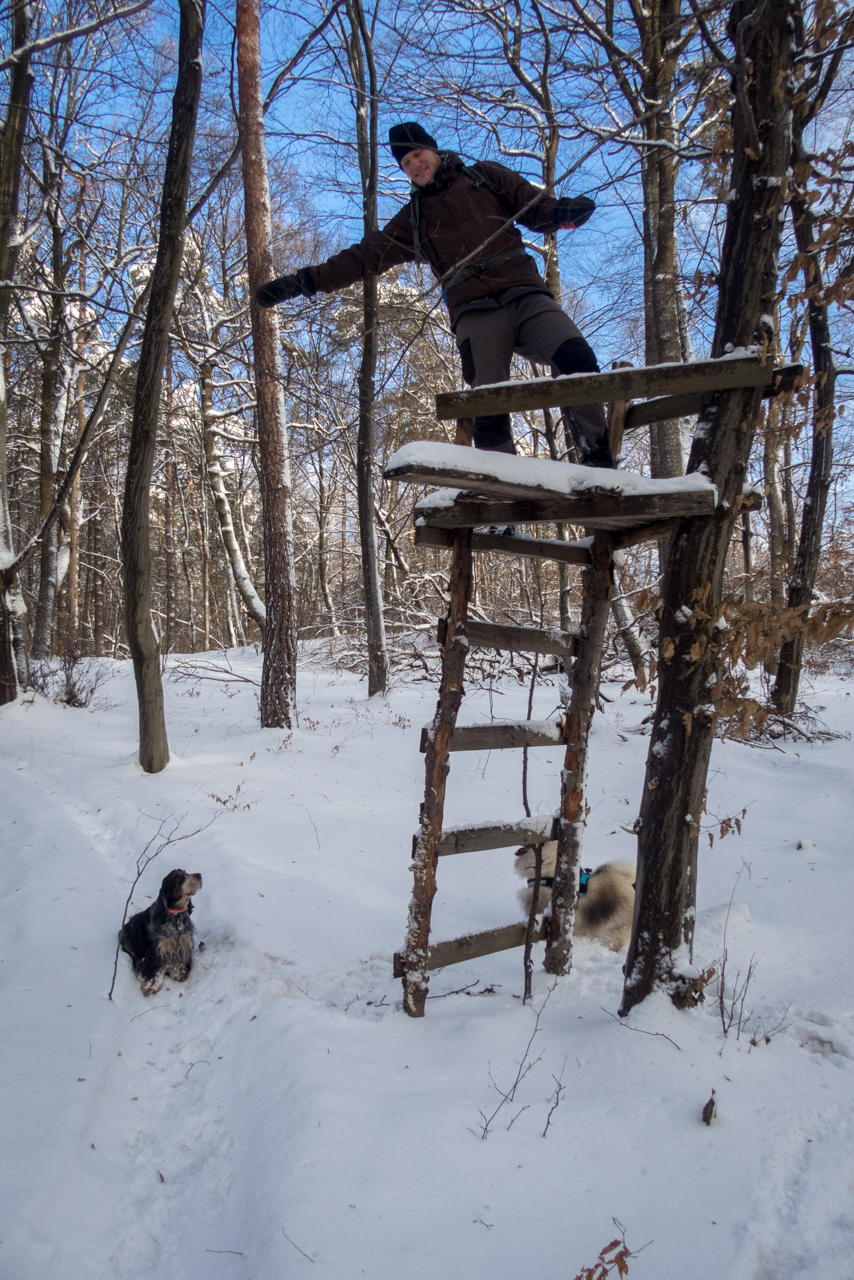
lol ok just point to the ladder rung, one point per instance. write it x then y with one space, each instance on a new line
474 945
498 737
496 835
498 635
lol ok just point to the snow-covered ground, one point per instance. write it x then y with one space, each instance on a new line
279 1112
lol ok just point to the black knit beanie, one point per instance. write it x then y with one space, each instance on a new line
409 137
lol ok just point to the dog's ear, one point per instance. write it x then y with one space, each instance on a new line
172 883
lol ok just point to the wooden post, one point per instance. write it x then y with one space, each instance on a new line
617 410
465 431
425 845
584 678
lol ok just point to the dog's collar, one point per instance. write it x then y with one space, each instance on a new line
547 882
176 911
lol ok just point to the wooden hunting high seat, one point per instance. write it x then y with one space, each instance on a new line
618 509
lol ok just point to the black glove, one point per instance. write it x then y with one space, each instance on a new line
573 213
287 287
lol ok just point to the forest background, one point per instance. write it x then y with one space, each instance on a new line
626 104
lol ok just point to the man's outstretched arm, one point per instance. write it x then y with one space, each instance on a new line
546 213
372 255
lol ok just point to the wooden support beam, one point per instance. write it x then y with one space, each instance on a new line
644 533
520 545
465 431
496 835
497 635
472 946
614 384
686 405
750 501
597 510
617 410
501 737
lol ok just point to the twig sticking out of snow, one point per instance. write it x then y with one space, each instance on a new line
640 1029
296 1246
526 1064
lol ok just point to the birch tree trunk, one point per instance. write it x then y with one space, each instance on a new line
278 677
684 722
143 641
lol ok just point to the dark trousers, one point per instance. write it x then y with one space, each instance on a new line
533 326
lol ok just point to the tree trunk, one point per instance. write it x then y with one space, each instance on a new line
216 479
54 399
360 56
634 640
784 692
684 722
14 673
772 456
324 501
660 29
279 672
136 546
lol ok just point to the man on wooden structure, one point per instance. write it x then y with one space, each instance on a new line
460 219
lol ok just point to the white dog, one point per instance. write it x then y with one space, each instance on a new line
606 902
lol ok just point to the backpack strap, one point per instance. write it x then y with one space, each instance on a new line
480 178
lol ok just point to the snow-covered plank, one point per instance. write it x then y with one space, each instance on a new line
745 368
596 511
475 836
508 476
498 737
522 544
513 639
474 945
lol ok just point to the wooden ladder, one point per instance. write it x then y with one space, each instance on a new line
618 510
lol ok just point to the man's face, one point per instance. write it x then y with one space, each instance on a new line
421 165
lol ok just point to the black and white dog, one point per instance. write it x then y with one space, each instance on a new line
606 901
159 940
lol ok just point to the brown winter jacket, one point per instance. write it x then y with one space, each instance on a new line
457 218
